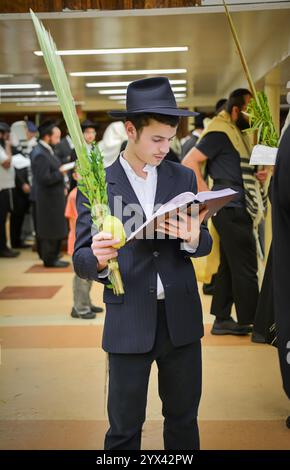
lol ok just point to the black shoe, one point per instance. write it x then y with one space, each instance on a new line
87 316
96 309
288 422
228 327
22 245
8 253
248 328
258 338
57 264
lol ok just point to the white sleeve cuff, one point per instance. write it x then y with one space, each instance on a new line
190 247
104 273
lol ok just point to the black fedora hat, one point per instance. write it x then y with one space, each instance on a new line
151 95
87 124
4 127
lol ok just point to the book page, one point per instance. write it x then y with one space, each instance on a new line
187 201
209 195
178 201
263 155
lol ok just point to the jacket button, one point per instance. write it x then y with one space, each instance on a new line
152 290
156 254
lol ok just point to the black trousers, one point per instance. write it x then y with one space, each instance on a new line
179 385
6 205
48 250
265 316
20 208
236 281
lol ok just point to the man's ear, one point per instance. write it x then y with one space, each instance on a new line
235 113
131 130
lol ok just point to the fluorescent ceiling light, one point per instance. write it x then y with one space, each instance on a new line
178 88
28 93
48 103
6 75
128 50
106 84
106 73
23 85
35 99
122 84
113 92
117 97
180 95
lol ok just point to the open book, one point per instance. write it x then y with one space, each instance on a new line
263 155
185 202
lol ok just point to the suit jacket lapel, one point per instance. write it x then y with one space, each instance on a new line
120 186
165 182
52 157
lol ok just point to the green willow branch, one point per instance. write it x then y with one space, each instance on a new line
92 181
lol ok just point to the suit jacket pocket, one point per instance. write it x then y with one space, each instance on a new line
110 298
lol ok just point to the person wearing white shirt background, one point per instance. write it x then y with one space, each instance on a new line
7 183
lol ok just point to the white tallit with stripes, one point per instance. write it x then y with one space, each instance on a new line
255 196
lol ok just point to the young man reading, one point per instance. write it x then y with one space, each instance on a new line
159 317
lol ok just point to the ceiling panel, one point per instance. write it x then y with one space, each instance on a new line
212 64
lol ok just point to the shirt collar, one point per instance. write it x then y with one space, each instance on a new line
48 147
127 167
70 142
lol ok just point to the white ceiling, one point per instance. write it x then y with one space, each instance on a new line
213 67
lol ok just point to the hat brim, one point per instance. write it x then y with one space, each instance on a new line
83 128
165 111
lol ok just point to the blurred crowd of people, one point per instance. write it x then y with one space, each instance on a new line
38 190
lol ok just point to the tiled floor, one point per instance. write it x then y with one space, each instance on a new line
52 393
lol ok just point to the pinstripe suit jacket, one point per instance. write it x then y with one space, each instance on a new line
131 319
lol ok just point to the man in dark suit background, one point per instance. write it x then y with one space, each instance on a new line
49 196
281 256
159 317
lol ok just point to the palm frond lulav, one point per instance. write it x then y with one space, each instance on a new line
258 108
90 167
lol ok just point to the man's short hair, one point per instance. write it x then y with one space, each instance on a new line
46 128
143 120
237 98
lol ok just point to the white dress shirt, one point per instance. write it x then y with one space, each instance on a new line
145 190
7 175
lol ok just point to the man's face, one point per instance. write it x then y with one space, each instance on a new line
4 135
153 142
90 135
242 121
30 135
55 136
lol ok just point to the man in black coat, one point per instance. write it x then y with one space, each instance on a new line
281 255
49 195
159 317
